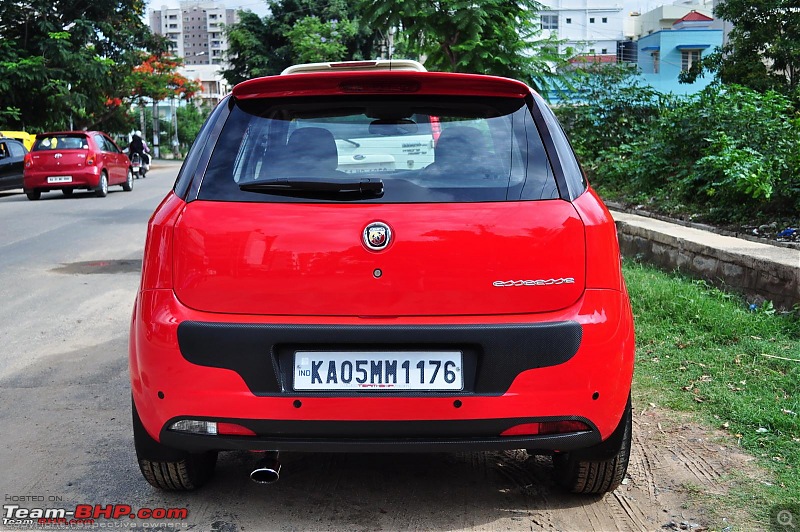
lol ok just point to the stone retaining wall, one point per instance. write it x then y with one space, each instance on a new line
756 278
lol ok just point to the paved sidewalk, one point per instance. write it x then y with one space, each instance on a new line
759 270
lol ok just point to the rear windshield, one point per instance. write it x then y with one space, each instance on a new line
421 148
61 142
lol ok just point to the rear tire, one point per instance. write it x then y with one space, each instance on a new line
578 472
166 468
102 187
33 195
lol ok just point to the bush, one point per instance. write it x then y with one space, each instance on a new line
727 151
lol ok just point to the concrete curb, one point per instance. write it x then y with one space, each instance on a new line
618 207
760 271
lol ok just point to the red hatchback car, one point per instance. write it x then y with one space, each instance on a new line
71 160
383 261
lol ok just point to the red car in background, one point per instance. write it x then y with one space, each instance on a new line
381 261
71 160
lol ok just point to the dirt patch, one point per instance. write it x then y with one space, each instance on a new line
100 266
686 470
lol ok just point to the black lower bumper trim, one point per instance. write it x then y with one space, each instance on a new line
494 354
545 443
382 436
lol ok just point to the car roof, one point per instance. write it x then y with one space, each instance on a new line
51 133
380 82
342 66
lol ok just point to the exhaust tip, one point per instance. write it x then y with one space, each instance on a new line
267 472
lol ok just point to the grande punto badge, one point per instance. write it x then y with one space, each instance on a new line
377 236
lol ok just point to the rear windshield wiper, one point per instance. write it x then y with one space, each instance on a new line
354 143
313 186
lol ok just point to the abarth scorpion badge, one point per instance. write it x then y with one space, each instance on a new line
377 236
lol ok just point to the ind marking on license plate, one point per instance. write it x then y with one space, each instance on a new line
378 371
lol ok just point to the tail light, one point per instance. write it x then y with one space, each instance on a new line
90 159
546 427
28 160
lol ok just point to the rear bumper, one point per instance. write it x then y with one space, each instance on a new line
237 377
88 177
383 436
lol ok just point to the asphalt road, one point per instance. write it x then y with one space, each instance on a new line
69 269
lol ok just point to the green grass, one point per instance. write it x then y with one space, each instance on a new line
700 349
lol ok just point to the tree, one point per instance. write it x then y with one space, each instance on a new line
190 120
255 48
157 79
314 41
65 62
296 31
612 108
763 50
498 37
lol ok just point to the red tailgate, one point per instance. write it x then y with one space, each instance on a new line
59 161
444 259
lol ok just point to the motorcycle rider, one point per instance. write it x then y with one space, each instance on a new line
139 145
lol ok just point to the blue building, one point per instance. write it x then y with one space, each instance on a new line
662 55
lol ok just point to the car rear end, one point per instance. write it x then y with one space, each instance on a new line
471 300
62 160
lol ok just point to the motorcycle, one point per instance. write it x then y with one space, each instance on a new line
139 165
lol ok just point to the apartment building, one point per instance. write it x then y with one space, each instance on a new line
638 25
592 28
195 29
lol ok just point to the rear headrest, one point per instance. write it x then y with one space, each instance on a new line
312 150
459 143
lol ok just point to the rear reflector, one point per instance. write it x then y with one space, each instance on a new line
547 427
232 429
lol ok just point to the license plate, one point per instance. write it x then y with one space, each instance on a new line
378 370
60 179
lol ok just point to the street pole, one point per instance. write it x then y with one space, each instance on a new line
69 90
156 152
175 141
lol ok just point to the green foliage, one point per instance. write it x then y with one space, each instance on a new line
703 350
190 120
256 48
62 59
496 37
610 107
742 169
723 152
296 31
315 41
763 49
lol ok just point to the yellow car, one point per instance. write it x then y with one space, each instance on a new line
26 138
